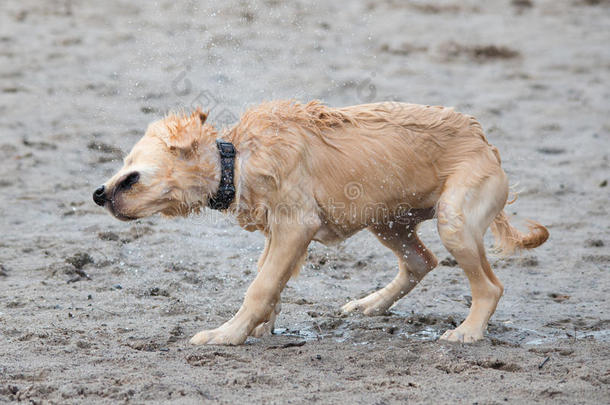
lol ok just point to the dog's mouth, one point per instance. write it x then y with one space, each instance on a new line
111 206
122 217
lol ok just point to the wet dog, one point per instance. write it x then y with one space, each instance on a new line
302 172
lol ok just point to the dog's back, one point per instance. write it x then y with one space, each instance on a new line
385 153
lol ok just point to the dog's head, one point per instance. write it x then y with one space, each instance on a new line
172 170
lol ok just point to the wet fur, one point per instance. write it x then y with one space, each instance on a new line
310 172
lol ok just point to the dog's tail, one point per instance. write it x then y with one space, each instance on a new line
509 238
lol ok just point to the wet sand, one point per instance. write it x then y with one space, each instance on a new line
99 311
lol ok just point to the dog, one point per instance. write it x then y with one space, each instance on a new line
308 172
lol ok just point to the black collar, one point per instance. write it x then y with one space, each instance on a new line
226 190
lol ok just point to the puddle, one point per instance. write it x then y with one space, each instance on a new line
426 334
303 334
600 335
430 333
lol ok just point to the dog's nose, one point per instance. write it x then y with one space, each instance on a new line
99 196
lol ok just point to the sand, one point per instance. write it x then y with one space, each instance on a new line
93 310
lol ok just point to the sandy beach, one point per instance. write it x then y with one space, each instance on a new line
94 310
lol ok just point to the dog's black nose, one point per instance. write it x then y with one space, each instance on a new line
99 196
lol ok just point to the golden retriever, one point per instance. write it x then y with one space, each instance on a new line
304 172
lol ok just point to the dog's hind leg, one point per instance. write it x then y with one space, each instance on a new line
414 262
465 210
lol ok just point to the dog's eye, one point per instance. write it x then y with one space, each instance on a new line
130 180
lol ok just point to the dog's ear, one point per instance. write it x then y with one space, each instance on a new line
185 133
199 113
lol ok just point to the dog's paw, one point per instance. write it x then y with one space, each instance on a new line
264 329
218 337
461 336
350 307
366 305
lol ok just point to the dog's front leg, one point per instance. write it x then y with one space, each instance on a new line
287 248
266 327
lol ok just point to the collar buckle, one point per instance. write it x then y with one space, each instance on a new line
226 149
